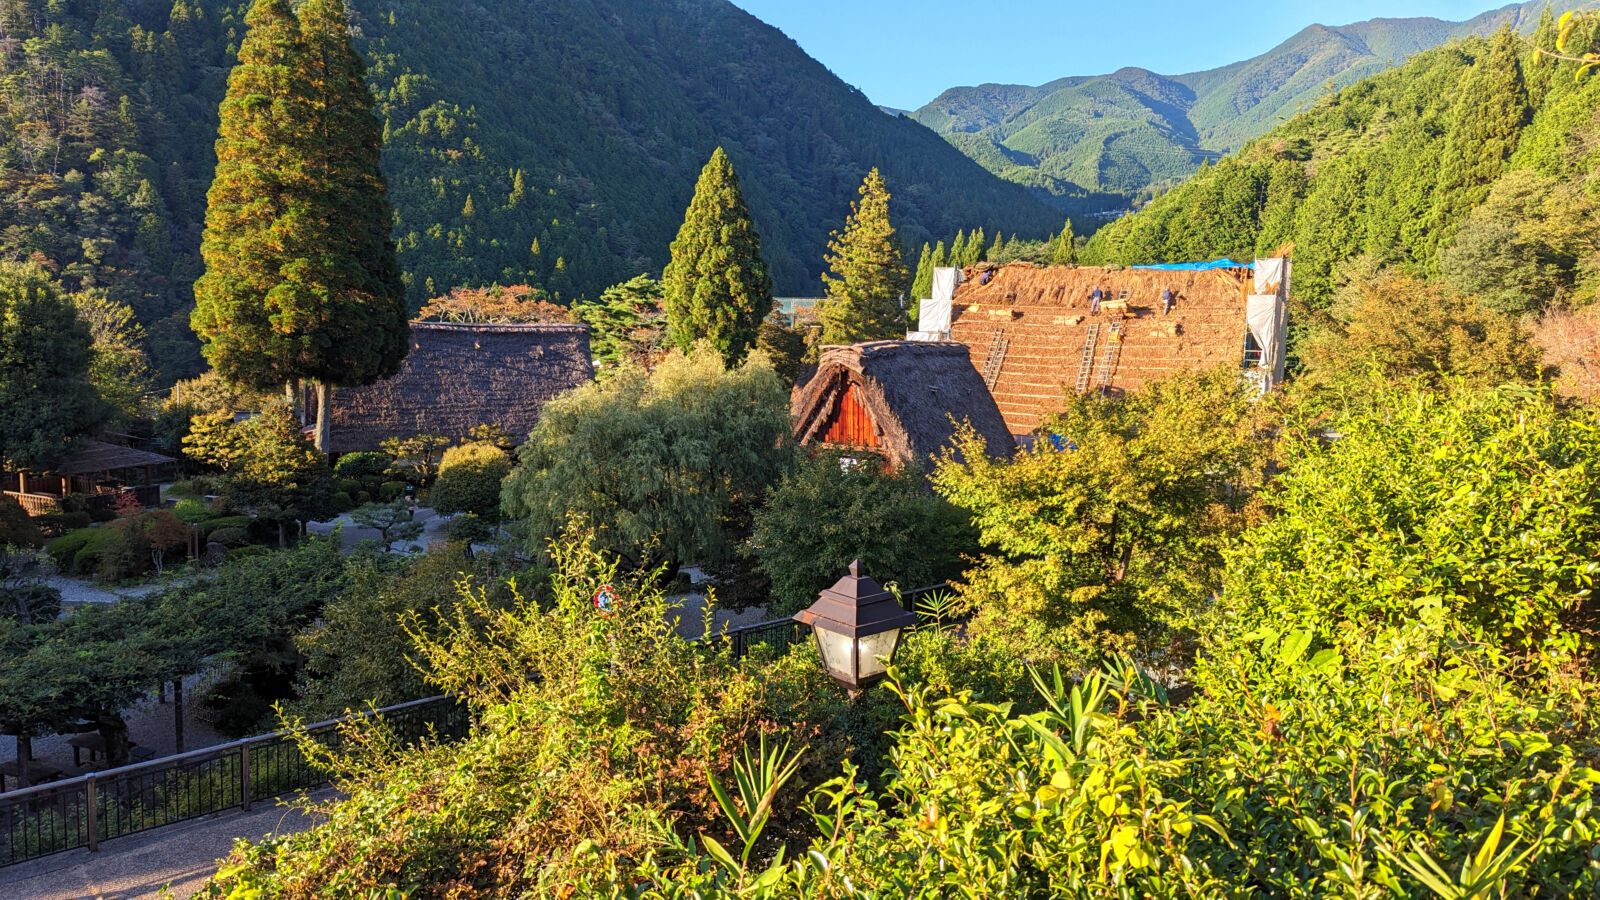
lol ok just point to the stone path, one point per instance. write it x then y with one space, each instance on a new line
178 858
434 527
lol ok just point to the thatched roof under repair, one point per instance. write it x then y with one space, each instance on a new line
915 393
1044 317
458 376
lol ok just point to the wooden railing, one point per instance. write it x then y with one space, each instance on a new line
36 504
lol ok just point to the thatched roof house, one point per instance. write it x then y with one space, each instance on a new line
1035 333
462 375
901 399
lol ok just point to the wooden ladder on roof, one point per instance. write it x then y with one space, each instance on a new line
1086 364
996 358
1108 363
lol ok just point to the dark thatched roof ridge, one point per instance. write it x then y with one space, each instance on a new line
461 375
99 456
916 392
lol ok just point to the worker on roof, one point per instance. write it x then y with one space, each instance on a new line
1095 297
1166 301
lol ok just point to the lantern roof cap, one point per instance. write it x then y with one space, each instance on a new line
856 605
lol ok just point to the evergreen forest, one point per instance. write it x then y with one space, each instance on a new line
1473 162
553 144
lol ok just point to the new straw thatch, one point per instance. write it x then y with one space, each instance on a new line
1043 318
913 393
462 375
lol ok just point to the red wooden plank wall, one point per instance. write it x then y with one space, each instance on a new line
850 423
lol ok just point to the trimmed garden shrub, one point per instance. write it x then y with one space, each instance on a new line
469 480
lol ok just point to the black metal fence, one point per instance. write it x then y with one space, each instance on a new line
82 812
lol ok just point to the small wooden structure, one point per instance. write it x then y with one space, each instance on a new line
101 472
902 400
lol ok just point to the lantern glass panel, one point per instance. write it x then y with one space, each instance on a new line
836 650
873 646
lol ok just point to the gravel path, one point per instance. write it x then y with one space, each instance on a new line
178 858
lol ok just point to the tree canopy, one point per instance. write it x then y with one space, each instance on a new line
716 287
47 400
867 279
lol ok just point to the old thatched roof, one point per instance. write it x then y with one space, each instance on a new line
915 394
1043 319
462 375
99 456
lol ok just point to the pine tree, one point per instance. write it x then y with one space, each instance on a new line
1065 251
997 250
941 257
1490 112
958 251
922 284
716 287
977 248
868 275
248 196
301 278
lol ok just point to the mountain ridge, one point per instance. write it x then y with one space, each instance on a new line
1107 148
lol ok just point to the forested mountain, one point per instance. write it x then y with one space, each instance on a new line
1475 161
1100 139
546 141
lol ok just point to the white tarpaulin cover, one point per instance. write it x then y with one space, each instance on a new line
1272 276
1261 315
935 314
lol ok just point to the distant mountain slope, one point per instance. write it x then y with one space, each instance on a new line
547 141
1134 129
1432 167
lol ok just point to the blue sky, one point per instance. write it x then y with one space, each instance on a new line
902 53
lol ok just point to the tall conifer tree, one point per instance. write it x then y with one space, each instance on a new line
922 284
977 248
1490 112
1065 251
301 279
958 250
867 276
716 287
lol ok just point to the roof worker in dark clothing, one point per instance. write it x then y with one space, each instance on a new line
1166 301
1095 297
987 274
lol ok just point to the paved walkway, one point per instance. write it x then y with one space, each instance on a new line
179 858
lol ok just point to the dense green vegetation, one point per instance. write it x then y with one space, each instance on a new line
300 279
866 279
47 400
1473 161
716 288
554 146
1092 143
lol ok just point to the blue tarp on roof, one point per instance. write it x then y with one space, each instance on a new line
1199 266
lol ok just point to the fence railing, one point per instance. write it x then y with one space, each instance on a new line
81 812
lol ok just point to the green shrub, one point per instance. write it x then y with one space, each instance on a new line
102 514
342 502
469 480
230 537
246 552
823 515
392 490
468 528
65 548
16 526
348 485
207 528
363 466
192 510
